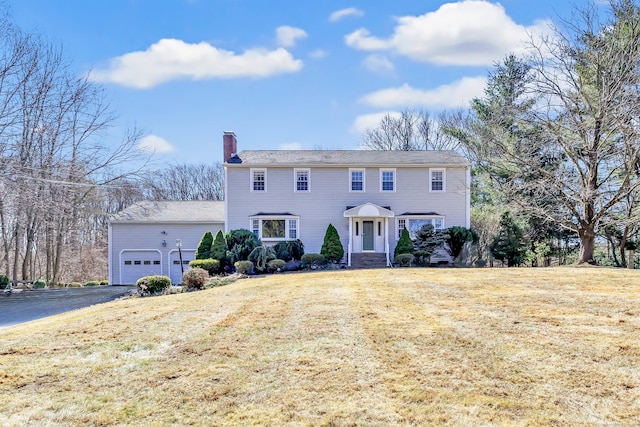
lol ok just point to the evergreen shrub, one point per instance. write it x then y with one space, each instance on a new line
313 260
244 267
261 255
276 265
204 247
153 284
404 260
289 249
404 245
332 247
212 266
240 243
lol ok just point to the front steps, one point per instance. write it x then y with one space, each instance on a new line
368 260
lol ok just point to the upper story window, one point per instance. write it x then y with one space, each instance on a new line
387 180
302 179
258 180
356 179
436 180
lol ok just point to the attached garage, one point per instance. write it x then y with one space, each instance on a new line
139 263
144 238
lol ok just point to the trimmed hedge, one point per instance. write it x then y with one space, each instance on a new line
212 266
404 260
313 260
4 281
244 267
276 265
92 283
39 284
153 284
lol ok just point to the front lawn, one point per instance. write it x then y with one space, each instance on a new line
557 346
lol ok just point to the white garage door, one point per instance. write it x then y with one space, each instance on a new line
174 265
137 264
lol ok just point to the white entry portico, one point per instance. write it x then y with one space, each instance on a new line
368 229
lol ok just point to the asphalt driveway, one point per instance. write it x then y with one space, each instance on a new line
32 304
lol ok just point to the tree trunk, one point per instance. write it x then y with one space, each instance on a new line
587 244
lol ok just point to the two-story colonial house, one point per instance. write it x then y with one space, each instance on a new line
369 196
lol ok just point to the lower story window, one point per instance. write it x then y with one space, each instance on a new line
275 228
414 224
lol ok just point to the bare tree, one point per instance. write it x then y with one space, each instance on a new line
203 181
413 130
53 156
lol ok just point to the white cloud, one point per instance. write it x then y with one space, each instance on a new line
379 64
370 121
290 146
343 13
456 94
288 36
318 54
155 144
172 59
471 32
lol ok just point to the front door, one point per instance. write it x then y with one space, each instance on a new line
367 236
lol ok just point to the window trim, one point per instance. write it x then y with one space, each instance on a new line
407 219
287 227
295 180
393 170
444 180
252 181
351 190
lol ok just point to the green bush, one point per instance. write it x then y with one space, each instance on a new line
40 284
261 255
289 249
4 281
404 260
276 265
244 267
240 243
104 282
212 266
219 248
480 262
195 278
92 283
313 260
204 247
153 284
74 285
404 245
332 247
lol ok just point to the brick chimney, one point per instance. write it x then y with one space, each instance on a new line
230 144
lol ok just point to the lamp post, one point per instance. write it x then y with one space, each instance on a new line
179 245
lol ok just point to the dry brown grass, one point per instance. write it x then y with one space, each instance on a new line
554 346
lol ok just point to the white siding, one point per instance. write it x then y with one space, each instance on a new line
148 238
330 196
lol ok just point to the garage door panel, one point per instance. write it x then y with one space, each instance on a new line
137 264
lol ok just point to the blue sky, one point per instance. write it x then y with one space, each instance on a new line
282 74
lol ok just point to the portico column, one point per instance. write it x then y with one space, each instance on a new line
386 239
350 241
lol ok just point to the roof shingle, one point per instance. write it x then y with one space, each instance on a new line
172 211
